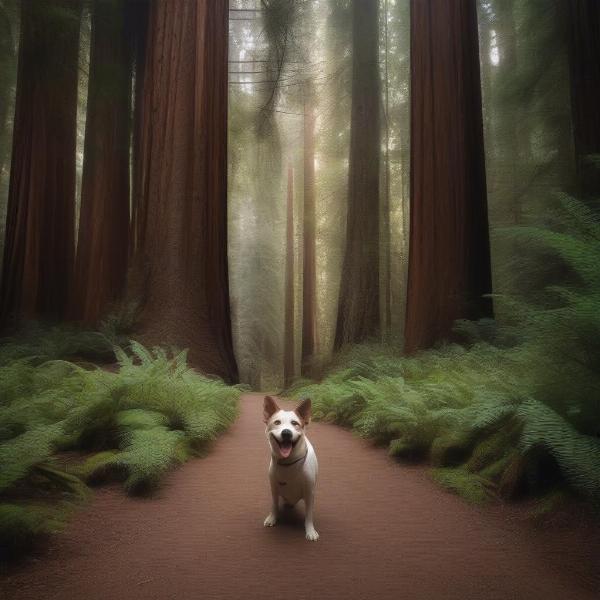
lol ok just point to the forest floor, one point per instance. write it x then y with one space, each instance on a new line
387 531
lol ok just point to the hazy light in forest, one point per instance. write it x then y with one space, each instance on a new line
494 52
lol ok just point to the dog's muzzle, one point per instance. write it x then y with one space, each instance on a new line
286 444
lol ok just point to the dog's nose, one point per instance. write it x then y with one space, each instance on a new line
286 434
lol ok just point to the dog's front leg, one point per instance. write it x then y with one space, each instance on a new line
272 516
309 528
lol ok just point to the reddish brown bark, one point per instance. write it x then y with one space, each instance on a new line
309 277
104 216
449 258
139 16
585 89
358 309
289 343
39 245
182 208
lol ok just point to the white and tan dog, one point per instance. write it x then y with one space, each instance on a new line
294 467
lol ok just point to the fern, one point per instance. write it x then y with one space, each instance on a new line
138 423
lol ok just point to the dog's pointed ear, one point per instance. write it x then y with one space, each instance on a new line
303 410
270 407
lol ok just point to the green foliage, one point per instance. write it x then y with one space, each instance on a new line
153 413
21 525
41 343
514 408
473 488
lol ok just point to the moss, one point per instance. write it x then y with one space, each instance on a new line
451 449
473 488
513 482
551 504
495 470
21 525
494 447
406 449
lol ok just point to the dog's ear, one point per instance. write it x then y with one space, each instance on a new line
303 410
270 407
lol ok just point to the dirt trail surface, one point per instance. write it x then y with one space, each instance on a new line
386 531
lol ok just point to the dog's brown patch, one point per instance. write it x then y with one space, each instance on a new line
270 407
303 410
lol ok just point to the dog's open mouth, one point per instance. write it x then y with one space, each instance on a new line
285 447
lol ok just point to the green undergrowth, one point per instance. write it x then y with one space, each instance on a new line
64 426
511 411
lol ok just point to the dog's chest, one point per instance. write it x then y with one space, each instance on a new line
290 485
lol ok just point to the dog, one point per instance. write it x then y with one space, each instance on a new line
293 470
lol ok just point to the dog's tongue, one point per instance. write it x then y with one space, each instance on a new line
285 448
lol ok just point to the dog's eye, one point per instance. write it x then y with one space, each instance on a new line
295 423
276 422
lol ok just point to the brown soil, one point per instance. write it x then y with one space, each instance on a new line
387 531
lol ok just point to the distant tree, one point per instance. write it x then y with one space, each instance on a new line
7 73
102 248
309 277
358 315
181 222
39 244
289 344
449 258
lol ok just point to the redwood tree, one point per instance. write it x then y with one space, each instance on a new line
39 244
182 204
358 309
104 215
585 89
449 259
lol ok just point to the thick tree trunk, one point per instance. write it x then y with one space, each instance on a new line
585 90
183 183
358 309
289 343
39 245
449 257
102 247
309 278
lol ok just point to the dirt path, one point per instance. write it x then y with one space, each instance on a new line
386 532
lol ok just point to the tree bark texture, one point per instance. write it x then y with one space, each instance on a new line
309 277
358 307
289 344
182 208
584 53
449 257
102 246
39 244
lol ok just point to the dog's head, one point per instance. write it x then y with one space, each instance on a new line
285 428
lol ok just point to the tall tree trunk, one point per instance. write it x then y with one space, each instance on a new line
183 195
386 242
358 309
449 257
585 90
511 134
39 245
7 74
102 246
139 17
309 287
289 343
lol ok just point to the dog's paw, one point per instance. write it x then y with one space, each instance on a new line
270 520
312 535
